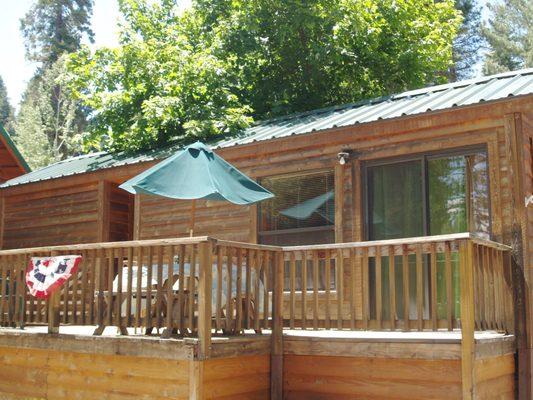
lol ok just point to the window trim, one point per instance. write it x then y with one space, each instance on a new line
308 172
423 158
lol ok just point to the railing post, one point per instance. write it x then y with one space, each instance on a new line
276 358
466 268
53 308
205 250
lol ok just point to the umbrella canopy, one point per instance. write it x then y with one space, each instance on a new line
197 173
315 205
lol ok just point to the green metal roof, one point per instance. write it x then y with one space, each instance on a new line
448 96
13 147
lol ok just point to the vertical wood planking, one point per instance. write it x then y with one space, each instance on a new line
257 297
192 286
353 287
379 289
218 298
229 295
160 285
238 290
340 287
449 284
366 284
328 289
100 278
118 301
268 262
138 288
3 299
433 288
182 254
169 250
304 289
392 289
110 275
150 264
205 289
129 290
419 288
406 289
315 289
292 286
248 296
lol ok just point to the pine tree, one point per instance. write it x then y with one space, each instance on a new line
468 42
54 27
6 110
509 34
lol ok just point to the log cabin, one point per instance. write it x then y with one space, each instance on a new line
394 262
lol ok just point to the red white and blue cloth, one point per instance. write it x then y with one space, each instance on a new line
45 275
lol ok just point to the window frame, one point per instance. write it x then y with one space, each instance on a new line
294 230
423 158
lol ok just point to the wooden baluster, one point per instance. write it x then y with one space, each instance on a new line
92 287
169 250
149 274
76 277
181 288
257 297
129 290
247 304
229 294
339 280
449 285
292 296
328 289
110 277
23 291
15 292
353 287
304 289
496 278
269 259
238 289
482 287
138 288
192 287
406 290
433 287
100 278
31 308
392 289
492 295
501 293
419 288
315 289
119 298
160 282
466 257
365 286
65 289
218 311
379 290
4 298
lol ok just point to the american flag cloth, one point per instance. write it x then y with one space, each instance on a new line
45 275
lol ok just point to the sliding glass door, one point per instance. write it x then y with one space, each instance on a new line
430 194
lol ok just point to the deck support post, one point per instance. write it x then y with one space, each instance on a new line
53 312
466 271
205 250
276 357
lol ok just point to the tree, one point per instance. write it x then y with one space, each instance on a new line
468 43
49 125
509 34
54 27
206 72
6 110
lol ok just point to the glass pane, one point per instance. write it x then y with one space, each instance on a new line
479 194
395 203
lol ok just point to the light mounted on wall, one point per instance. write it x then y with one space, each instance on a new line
344 156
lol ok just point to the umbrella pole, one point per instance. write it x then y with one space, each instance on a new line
193 212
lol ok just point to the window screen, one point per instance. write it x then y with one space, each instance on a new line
302 211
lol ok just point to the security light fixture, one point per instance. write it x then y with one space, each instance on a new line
344 156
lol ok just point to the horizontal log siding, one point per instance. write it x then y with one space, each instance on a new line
51 217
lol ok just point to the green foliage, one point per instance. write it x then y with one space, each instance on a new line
54 27
509 33
49 124
207 72
6 110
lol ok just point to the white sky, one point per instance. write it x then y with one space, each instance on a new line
16 71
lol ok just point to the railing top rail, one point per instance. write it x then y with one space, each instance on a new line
402 241
109 245
195 240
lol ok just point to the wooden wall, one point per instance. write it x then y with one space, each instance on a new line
49 217
48 374
120 215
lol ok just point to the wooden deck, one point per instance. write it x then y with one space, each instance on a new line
317 365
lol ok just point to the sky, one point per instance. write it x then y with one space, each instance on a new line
15 70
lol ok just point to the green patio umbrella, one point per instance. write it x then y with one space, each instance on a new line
196 173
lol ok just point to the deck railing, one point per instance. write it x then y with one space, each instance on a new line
193 286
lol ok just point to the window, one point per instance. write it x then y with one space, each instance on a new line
426 195
302 212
